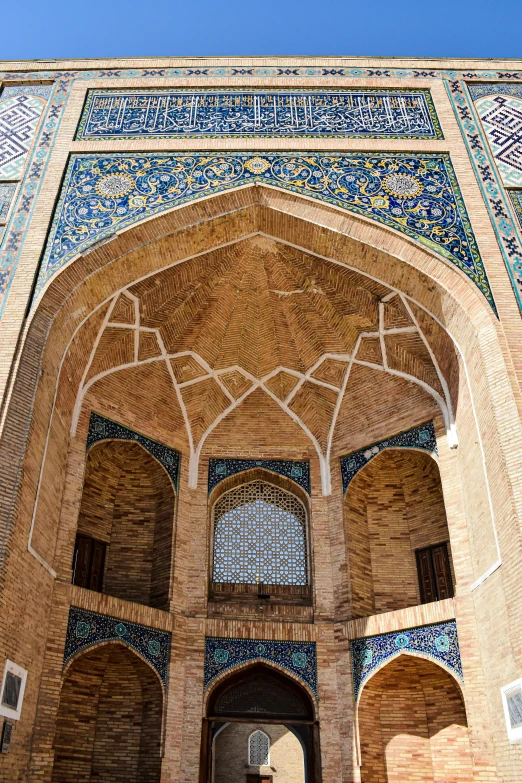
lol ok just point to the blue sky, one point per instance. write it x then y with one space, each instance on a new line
40 29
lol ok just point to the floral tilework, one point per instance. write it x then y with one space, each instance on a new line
438 642
421 438
416 194
210 113
219 469
299 658
101 428
86 628
516 200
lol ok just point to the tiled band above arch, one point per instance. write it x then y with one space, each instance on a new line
415 194
86 629
211 113
298 658
438 643
421 438
101 428
220 469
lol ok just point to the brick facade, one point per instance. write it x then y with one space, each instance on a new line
259 324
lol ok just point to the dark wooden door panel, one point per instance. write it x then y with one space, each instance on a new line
427 585
442 573
97 563
82 561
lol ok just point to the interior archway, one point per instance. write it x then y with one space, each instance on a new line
397 534
412 725
109 719
125 522
260 697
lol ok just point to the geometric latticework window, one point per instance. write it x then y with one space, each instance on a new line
258 749
259 537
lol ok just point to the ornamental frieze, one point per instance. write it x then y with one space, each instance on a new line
415 194
348 113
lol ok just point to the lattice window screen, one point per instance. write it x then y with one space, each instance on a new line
259 536
258 749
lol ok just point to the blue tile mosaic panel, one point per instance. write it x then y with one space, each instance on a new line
495 88
84 629
101 428
20 110
501 118
7 191
210 113
299 658
438 642
421 437
416 194
219 469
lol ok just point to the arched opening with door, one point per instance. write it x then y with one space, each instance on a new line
260 727
125 526
412 725
109 723
397 534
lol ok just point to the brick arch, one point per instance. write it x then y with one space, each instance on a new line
393 506
110 717
411 720
259 474
128 502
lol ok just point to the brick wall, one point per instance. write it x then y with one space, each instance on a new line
412 726
392 507
109 720
128 502
230 754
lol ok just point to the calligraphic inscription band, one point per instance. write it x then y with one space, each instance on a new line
371 113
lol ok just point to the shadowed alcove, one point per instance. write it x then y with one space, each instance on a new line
124 539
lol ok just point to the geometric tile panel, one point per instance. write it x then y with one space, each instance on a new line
101 428
20 110
210 113
7 191
86 628
416 194
421 438
438 642
219 469
299 658
501 117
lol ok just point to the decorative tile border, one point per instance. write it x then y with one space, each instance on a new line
220 469
210 113
497 88
85 629
421 438
64 80
20 110
416 194
299 658
438 642
101 428
497 203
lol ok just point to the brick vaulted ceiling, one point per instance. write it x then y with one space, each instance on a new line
263 314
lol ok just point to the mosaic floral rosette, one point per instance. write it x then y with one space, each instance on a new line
219 469
416 194
101 428
421 438
299 658
86 628
438 642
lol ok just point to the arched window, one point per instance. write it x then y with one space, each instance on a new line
258 749
260 537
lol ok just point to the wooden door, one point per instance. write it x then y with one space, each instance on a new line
441 572
97 564
82 561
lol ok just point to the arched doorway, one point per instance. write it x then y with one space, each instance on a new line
260 727
109 719
125 525
413 726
